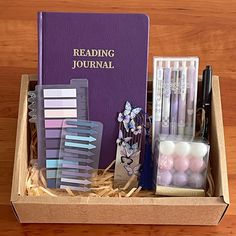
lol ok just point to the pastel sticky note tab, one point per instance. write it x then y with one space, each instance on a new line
77 181
53 123
73 151
52 163
72 165
60 113
80 145
52 153
52 93
60 103
53 133
56 163
81 138
51 174
83 189
76 173
52 143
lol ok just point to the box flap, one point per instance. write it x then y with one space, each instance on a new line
223 214
14 212
21 142
218 137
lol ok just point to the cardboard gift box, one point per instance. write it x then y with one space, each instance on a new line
108 210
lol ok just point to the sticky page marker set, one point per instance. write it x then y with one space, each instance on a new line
50 105
79 153
174 96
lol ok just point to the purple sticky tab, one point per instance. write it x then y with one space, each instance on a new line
53 133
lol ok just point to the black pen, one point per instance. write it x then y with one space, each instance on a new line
206 99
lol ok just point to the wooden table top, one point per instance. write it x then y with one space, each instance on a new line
203 28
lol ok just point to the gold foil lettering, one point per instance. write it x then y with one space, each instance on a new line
92 64
104 53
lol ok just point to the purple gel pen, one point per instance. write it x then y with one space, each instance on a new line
191 80
158 98
182 98
166 99
174 98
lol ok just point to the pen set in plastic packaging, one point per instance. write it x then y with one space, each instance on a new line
174 96
180 159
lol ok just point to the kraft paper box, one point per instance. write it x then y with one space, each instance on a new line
108 210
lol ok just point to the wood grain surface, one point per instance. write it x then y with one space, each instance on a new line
206 28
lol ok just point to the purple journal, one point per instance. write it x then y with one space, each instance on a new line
110 50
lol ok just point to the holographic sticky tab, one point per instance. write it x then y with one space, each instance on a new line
49 105
79 153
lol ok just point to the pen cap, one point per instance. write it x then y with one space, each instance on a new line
176 64
192 63
167 63
206 85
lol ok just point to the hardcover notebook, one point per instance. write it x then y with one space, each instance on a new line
110 50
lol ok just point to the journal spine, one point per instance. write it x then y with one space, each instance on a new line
40 47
